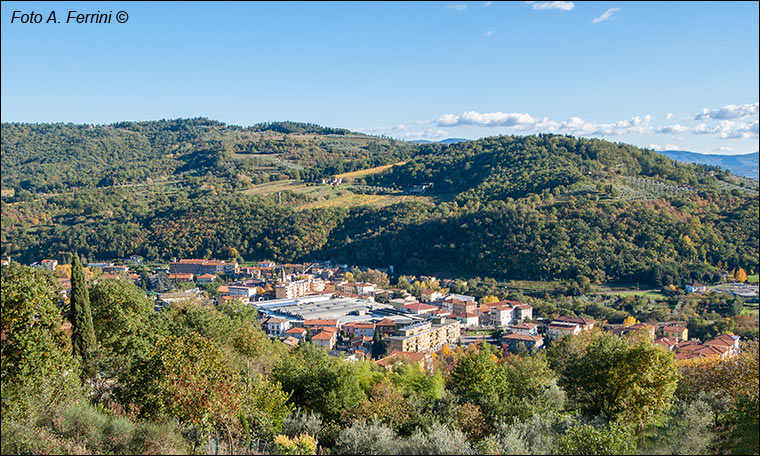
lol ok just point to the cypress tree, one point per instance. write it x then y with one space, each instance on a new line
83 338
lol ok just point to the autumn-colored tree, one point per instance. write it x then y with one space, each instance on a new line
384 404
734 378
622 380
629 321
488 299
470 420
186 378
741 275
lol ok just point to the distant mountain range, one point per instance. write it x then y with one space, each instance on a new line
741 165
443 141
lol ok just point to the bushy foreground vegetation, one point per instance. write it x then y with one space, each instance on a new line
200 379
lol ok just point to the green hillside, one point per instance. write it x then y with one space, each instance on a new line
534 207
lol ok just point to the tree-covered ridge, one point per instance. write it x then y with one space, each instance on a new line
534 207
59 157
501 167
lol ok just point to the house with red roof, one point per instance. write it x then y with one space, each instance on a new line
386 327
680 332
419 308
532 343
298 333
205 278
324 339
529 329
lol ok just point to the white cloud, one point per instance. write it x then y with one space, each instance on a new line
489 33
487 4
637 125
669 116
525 121
723 149
564 6
605 16
457 7
677 128
404 132
729 112
519 121
664 147
727 129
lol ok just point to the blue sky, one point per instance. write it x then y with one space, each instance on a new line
663 75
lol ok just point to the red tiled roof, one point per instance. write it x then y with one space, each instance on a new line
386 322
504 307
577 320
364 325
667 341
181 276
418 306
324 335
725 339
678 329
295 331
519 336
525 326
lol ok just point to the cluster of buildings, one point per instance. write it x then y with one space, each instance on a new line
351 324
312 303
747 292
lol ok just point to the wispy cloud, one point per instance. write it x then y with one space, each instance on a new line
664 147
563 6
489 33
404 132
669 116
729 112
487 4
605 16
461 7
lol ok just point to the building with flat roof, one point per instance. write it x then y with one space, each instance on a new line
425 336
323 307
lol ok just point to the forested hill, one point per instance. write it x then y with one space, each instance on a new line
56 157
502 167
531 207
